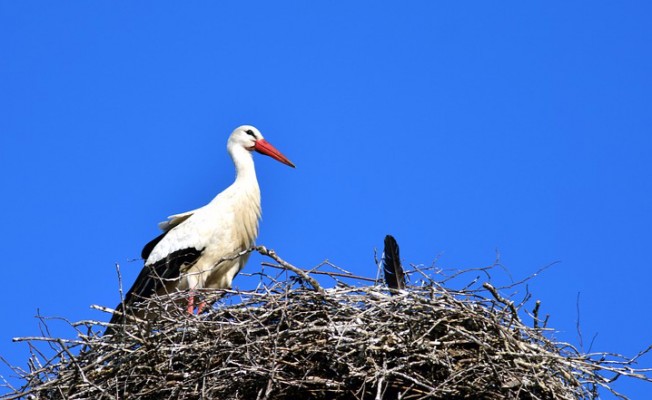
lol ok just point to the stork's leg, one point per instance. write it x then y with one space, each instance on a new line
191 302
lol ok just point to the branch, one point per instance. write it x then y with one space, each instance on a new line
272 254
501 299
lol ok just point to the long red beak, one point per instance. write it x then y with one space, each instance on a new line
264 147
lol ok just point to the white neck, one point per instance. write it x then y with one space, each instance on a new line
245 172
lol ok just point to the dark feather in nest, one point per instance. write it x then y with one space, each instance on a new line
394 276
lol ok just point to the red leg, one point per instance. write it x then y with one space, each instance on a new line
191 303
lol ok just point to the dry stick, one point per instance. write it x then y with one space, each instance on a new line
535 313
329 273
46 339
577 323
381 381
531 276
129 317
501 299
330 264
272 254
120 290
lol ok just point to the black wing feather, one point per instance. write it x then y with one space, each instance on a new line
153 277
394 276
147 250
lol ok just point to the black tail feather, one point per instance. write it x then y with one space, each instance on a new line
394 276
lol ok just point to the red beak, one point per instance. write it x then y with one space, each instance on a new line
264 147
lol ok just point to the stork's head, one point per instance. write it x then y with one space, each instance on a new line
251 139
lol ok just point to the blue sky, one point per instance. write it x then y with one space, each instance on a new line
461 128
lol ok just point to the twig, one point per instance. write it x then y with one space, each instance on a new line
272 254
329 273
502 300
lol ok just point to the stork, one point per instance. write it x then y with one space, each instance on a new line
199 249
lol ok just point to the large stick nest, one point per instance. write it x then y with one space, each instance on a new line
291 339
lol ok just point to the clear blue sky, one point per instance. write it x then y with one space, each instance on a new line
459 127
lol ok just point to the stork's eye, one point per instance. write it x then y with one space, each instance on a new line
250 132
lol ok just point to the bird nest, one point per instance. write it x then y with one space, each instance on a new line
291 338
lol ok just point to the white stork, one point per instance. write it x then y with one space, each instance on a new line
197 248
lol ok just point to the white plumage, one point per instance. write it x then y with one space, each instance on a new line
194 250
